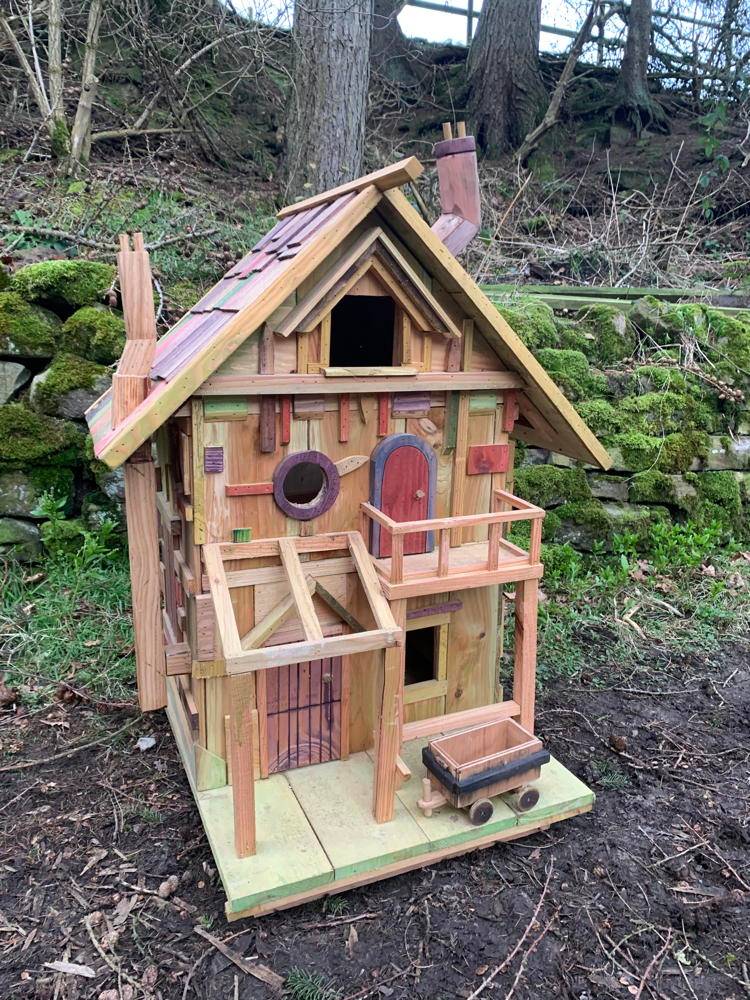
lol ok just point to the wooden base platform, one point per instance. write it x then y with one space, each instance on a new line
316 835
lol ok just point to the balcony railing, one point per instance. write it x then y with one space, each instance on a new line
472 564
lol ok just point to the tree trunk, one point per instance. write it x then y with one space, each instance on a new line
61 139
507 96
325 128
390 52
633 102
80 139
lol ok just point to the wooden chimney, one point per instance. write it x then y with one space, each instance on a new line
459 189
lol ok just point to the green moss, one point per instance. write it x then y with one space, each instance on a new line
59 480
532 320
665 412
4 279
613 335
66 373
652 486
719 488
738 270
60 139
648 378
600 416
520 533
680 450
731 335
26 330
570 370
183 295
549 485
570 335
94 332
75 283
639 451
27 437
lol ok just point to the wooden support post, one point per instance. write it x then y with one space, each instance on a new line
143 549
388 743
241 764
524 651
397 558
444 548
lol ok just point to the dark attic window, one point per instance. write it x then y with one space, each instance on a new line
362 331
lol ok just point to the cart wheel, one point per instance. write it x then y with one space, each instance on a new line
525 798
481 811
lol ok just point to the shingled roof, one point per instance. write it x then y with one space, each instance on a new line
251 290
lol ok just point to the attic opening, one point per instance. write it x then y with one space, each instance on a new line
362 332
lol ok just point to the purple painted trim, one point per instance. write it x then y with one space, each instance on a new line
447 147
434 609
213 459
383 450
325 499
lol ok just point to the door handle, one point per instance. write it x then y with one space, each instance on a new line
419 495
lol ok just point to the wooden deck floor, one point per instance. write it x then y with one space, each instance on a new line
316 835
468 569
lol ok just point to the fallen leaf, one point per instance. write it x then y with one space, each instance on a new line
71 969
146 743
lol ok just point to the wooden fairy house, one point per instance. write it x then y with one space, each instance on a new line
318 466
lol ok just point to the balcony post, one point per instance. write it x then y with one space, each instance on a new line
535 542
444 548
524 650
388 736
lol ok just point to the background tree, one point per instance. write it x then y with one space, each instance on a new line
507 96
325 128
632 98
391 54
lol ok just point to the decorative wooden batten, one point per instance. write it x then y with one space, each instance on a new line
131 383
459 189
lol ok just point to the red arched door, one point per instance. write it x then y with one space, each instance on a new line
403 488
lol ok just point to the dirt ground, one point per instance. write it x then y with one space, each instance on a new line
645 897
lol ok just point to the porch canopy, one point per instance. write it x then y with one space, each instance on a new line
253 651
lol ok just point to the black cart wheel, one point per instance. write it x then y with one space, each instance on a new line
481 811
526 798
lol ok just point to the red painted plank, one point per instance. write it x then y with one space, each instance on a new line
248 489
510 410
286 419
384 407
482 459
344 417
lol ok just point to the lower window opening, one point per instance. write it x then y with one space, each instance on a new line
420 656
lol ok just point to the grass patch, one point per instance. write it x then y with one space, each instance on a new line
73 625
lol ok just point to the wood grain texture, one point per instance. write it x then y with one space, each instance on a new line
143 552
485 459
394 175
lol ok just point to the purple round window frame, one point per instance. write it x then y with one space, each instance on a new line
323 501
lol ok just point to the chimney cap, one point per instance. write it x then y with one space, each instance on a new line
447 147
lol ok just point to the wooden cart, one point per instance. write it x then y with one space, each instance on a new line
472 766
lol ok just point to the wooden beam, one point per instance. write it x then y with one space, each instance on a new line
370 583
299 652
266 627
337 607
460 720
143 551
524 650
300 592
241 755
223 609
321 384
389 177
388 737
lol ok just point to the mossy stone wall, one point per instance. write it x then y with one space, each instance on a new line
666 389
58 345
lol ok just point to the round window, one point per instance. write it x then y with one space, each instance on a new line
306 485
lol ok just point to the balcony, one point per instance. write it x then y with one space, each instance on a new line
453 565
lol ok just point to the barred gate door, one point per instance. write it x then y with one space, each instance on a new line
303 715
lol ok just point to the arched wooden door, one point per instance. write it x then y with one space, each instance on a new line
403 474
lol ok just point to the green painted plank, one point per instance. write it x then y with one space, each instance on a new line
447 825
337 800
289 858
225 407
482 402
559 792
